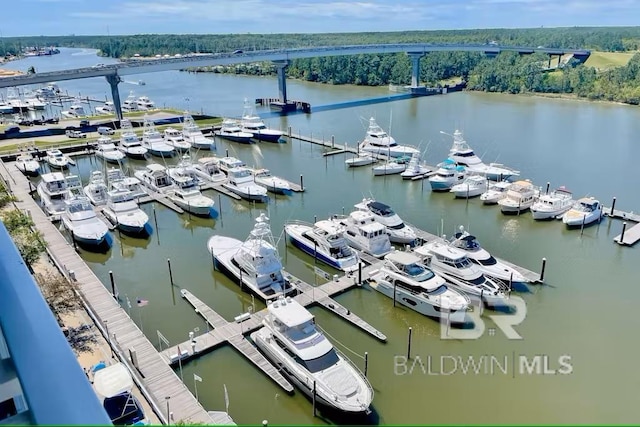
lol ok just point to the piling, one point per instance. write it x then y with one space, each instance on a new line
511 282
227 152
314 398
547 190
220 206
624 227
289 132
481 307
544 265
409 344
315 219
394 293
366 362
155 217
584 217
265 423
170 272
359 273
301 182
333 141
613 206
113 284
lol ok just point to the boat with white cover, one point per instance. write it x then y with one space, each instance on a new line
255 262
226 163
271 182
416 286
552 205
208 169
584 211
398 231
114 385
108 151
154 143
52 190
123 211
447 175
155 178
519 198
96 189
192 200
390 167
193 135
495 192
56 159
291 340
75 111
240 181
377 141
472 186
130 143
106 109
324 241
81 220
363 159
253 124
27 164
230 129
174 138
364 233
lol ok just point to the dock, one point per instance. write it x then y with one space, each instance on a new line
628 237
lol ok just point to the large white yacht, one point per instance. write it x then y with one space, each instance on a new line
97 189
123 211
58 160
324 241
116 179
174 138
193 135
398 231
416 286
75 111
230 129
81 220
130 143
108 151
208 169
227 163
155 178
472 186
364 233
154 143
240 181
52 191
292 341
255 263
144 103
253 124
378 141
519 198
272 183
552 205
187 195
447 175
131 103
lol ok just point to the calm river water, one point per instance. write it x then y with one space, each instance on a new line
584 315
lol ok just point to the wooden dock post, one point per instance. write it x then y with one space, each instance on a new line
366 362
624 227
394 293
301 182
314 398
333 141
227 152
584 218
359 273
170 272
481 306
409 344
220 206
544 265
613 206
547 190
113 284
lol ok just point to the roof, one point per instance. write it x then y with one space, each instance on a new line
404 258
154 167
588 201
289 312
112 380
53 176
328 226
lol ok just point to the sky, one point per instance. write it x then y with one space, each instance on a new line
64 17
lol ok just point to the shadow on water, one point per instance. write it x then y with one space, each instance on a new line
333 416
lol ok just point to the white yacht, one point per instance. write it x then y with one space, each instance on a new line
153 141
362 159
447 175
27 164
193 135
108 151
488 264
174 138
56 159
192 200
415 168
454 265
495 192
552 205
240 181
75 111
208 169
253 124
144 103
324 241
107 108
255 263
416 286
130 143
97 189
14 98
5 108
291 340
184 174
519 198
472 186
116 179
390 167
377 141
227 163
81 220
463 155
155 178
397 230
131 103
52 191
364 233
271 182
231 130
122 210
585 211
32 101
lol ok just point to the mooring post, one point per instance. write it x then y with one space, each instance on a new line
544 265
333 141
265 423
409 344
170 272
289 133
547 190
155 217
624 227
113 284
359 273
366 362
584 217
481 307
394 293
220 206
613 206
301 182
314 398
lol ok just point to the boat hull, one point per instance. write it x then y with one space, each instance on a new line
239 139
29 168
575 221
514 209
261 198
274 136
306 247
539 215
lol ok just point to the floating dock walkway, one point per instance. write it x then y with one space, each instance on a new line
628 237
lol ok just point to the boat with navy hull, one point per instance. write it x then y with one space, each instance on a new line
253 124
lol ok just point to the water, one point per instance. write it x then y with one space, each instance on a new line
586 311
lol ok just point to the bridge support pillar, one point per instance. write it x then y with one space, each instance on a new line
415 68
113 81
282 79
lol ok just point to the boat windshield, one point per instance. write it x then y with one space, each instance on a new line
489 261
438 291
321 363
397 226
415 270
381 209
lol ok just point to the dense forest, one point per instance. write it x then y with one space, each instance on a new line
508 72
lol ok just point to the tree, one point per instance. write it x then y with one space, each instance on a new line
30 243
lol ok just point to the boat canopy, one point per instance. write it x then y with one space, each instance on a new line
291 313
381 209
112 380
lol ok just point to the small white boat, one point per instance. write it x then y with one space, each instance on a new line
447 175
56 159
272 183
415 168
122 210
154 143
416 286
97 189
377 141
208 169
114 385
130 143
519 198
253 124
52 191
193 135
81 220
174 138
75 111
324 241
240 181
231 130
390 167
364 233
191 200
254 263
27 164
495 192
226 163
116 179
108 151
291 340
131 103
472 186
397 230
552 205
155 178
362 159
106 109
585 211
144 103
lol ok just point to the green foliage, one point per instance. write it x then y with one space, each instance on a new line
15 220
30 243
5 197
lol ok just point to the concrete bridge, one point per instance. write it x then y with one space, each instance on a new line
280 58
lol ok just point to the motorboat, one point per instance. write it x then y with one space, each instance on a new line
27 164
415 168
447 175
106 109
240 181
254 263
184 174
81 220
108 151
193 135
14 98
231 130
272 183
364 233
377 141
584 212
226 163
154 143
74 185
495 192
192 201
472 186
253 124
324 241
489 265
463 155
97 189
5 108
33 103
56 159
397 230
144 103
123 211
291 340
131 103
75 111
519 198
390 167
418 287
363 159
130 143
52 191
155 178
174 138
116 179
457 269
114 385
552 205
208 169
